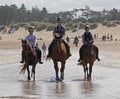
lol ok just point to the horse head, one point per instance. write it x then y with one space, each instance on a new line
26 45
59 50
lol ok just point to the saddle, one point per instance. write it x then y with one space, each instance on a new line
57 41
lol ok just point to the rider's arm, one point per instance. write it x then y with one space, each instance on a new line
92 38
35 41
55 34
83 40
64 33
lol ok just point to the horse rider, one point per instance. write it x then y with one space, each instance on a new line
87 38
44 48
58 32
67 39
32 39
76 39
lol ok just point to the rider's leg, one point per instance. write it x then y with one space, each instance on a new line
50 48
97 53
80 53
68 48
23 58
39 55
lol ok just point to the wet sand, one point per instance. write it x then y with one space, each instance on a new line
105 83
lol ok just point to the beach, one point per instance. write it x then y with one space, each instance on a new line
105 73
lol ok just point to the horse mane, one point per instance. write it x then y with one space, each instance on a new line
29 45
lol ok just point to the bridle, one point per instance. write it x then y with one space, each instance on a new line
26 51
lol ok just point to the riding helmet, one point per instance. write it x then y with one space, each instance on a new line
87 27
30 28
59 19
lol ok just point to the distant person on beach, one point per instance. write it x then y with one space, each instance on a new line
67 39
108 37
111 37
44 48
95 36
76 41
104 37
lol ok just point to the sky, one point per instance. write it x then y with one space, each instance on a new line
65 5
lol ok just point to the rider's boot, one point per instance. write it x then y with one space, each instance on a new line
40 62
22 60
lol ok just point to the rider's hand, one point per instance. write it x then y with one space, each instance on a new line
90 41
57 35
86 42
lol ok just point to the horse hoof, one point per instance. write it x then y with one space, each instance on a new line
89 78
57 78
60 80
29 79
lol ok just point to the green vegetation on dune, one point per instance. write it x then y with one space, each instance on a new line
12 16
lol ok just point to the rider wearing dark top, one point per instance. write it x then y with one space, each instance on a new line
87 38
58 33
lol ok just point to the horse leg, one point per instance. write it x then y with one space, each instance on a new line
56 70
90 71
62 70
28 73
84 67
33 71
87 70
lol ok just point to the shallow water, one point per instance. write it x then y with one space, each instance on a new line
105 83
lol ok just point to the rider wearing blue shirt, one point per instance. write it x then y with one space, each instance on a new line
87 38
32 39
58 33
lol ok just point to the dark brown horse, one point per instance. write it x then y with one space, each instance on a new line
59 54
30 59
89 57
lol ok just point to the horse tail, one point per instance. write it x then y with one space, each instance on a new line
24 67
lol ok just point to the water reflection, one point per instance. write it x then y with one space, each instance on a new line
88 88
30 88
60 88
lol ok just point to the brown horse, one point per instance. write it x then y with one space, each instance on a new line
59 54
89 57
30 59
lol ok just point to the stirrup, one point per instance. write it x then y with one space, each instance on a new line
79 60
40 62
98 59
22 61
80 63
69 54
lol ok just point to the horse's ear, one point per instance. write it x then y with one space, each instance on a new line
26 41
21 40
